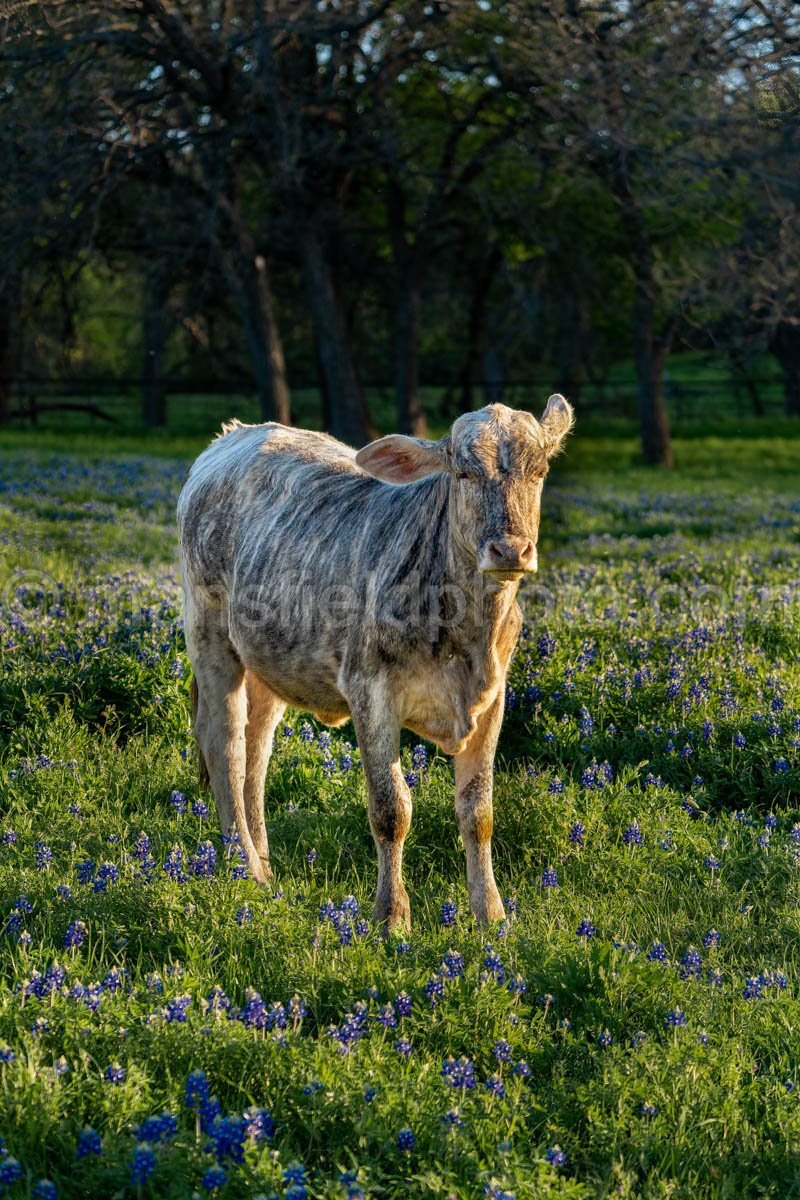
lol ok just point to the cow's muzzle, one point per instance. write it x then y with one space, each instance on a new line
508 558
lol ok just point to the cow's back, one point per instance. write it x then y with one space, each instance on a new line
239 484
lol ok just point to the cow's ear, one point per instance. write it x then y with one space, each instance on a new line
557 421
398 459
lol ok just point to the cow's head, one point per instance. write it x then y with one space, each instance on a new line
497 460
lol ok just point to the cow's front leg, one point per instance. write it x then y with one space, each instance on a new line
474 778
378 733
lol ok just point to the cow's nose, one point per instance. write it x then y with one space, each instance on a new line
511 554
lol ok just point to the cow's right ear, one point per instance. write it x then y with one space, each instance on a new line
399 459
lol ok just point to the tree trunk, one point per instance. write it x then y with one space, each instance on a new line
154 326
8 306
348 414
649 359
785 345
476 324
247 276
574 343
254 295
410 414
649 350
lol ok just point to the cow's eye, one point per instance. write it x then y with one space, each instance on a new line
465 475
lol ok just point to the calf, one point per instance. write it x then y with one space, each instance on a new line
379 586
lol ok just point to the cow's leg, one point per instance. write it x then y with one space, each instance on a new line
264 711
221 720
474 777
378 735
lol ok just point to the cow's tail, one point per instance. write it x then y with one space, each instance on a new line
202 769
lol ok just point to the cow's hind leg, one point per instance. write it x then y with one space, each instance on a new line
264 711
389 802
220 723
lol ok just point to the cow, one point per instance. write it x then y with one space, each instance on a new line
378 586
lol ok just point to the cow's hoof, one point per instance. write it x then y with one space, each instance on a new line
394 916
260 870
488 907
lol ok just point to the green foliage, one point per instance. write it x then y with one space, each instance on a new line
94 730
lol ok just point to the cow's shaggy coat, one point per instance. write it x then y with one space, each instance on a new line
379 586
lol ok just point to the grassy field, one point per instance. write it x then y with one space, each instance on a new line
168 1029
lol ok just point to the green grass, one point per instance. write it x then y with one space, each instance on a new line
666 615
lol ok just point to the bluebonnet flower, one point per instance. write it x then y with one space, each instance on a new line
387 1016
175 1011
228 1136
9 837
141 847
44 856
459 1073
448 913
648 1110
577 833
403 1004
711 939
781 766
753 987
10 1170
244 914
452 1119
586 929
114 1074
203 863
173 865
200 809
712 863
196 1091
294 1181
556 1156
7 1055
406 1140
259 1124
691 965
106 873
157 1129
434 989
556 786
370 1094
739 741
215 1177
178 802
85 871
452 965
403 1046
605 1038
494 964
143 1164
502 1050
703 1037
402 947
521 1069
632 835
549 878
495 1085
45 1189
254 1013
675 1018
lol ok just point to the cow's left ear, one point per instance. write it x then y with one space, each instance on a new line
399 459
556 422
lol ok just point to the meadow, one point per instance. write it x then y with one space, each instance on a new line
632 1029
